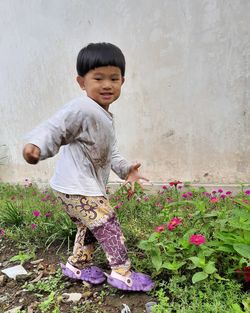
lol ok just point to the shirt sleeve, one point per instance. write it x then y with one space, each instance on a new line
118 164
60 129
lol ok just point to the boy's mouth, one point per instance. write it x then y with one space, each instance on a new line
106 94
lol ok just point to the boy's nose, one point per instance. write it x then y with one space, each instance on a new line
106 85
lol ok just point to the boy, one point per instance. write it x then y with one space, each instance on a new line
84 130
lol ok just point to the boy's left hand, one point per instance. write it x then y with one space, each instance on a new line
134 176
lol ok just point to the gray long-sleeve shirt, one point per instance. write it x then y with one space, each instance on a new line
85 133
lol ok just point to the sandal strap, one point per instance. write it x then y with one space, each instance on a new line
127 280
75 270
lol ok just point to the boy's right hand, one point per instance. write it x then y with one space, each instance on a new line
31 153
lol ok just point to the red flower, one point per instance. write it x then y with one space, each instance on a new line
175 183
174 223
197 239
160 228
246 273
214 199
33 226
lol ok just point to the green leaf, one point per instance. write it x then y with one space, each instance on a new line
156 258
22 257
242 249
246 234
237 308
225 248
243 204
145 245
210 268
199 276
173 266
217 276
195 260
198 262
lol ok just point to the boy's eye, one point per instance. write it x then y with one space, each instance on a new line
115 79
97 78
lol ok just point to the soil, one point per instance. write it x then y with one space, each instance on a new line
95 299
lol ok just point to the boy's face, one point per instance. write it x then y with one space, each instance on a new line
102 84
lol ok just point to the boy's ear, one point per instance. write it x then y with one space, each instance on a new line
123 80
80 81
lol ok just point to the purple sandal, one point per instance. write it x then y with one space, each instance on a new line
91 274
135 282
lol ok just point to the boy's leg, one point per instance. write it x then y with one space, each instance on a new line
79 263
97 214
83 250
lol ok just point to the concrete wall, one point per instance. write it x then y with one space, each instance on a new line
184 111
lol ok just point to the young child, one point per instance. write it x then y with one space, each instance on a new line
83 130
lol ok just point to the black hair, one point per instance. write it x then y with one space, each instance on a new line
99 54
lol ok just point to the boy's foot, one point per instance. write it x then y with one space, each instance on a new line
91 274
133 282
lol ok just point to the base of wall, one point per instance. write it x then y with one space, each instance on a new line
156 186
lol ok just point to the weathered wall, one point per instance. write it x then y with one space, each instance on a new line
184 112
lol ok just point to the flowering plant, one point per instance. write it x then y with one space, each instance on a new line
196 231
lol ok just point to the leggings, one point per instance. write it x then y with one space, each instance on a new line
95 220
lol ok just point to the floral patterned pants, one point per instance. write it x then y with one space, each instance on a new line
95 221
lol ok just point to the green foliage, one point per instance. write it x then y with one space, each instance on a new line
179 296
22 257
11 214
47 285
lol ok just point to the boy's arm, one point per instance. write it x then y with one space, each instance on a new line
124 169
118 164
45 140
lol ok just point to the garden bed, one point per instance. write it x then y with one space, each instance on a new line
195 244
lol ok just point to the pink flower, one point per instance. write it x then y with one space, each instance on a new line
174 223
247 192
36 213
175 183
48 214
2 232
213 192
160 228
220 190
190 194
206 194
214 199
33 226
228 193
223 196
184 195
197 239
164 187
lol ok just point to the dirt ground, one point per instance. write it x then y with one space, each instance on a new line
95 299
